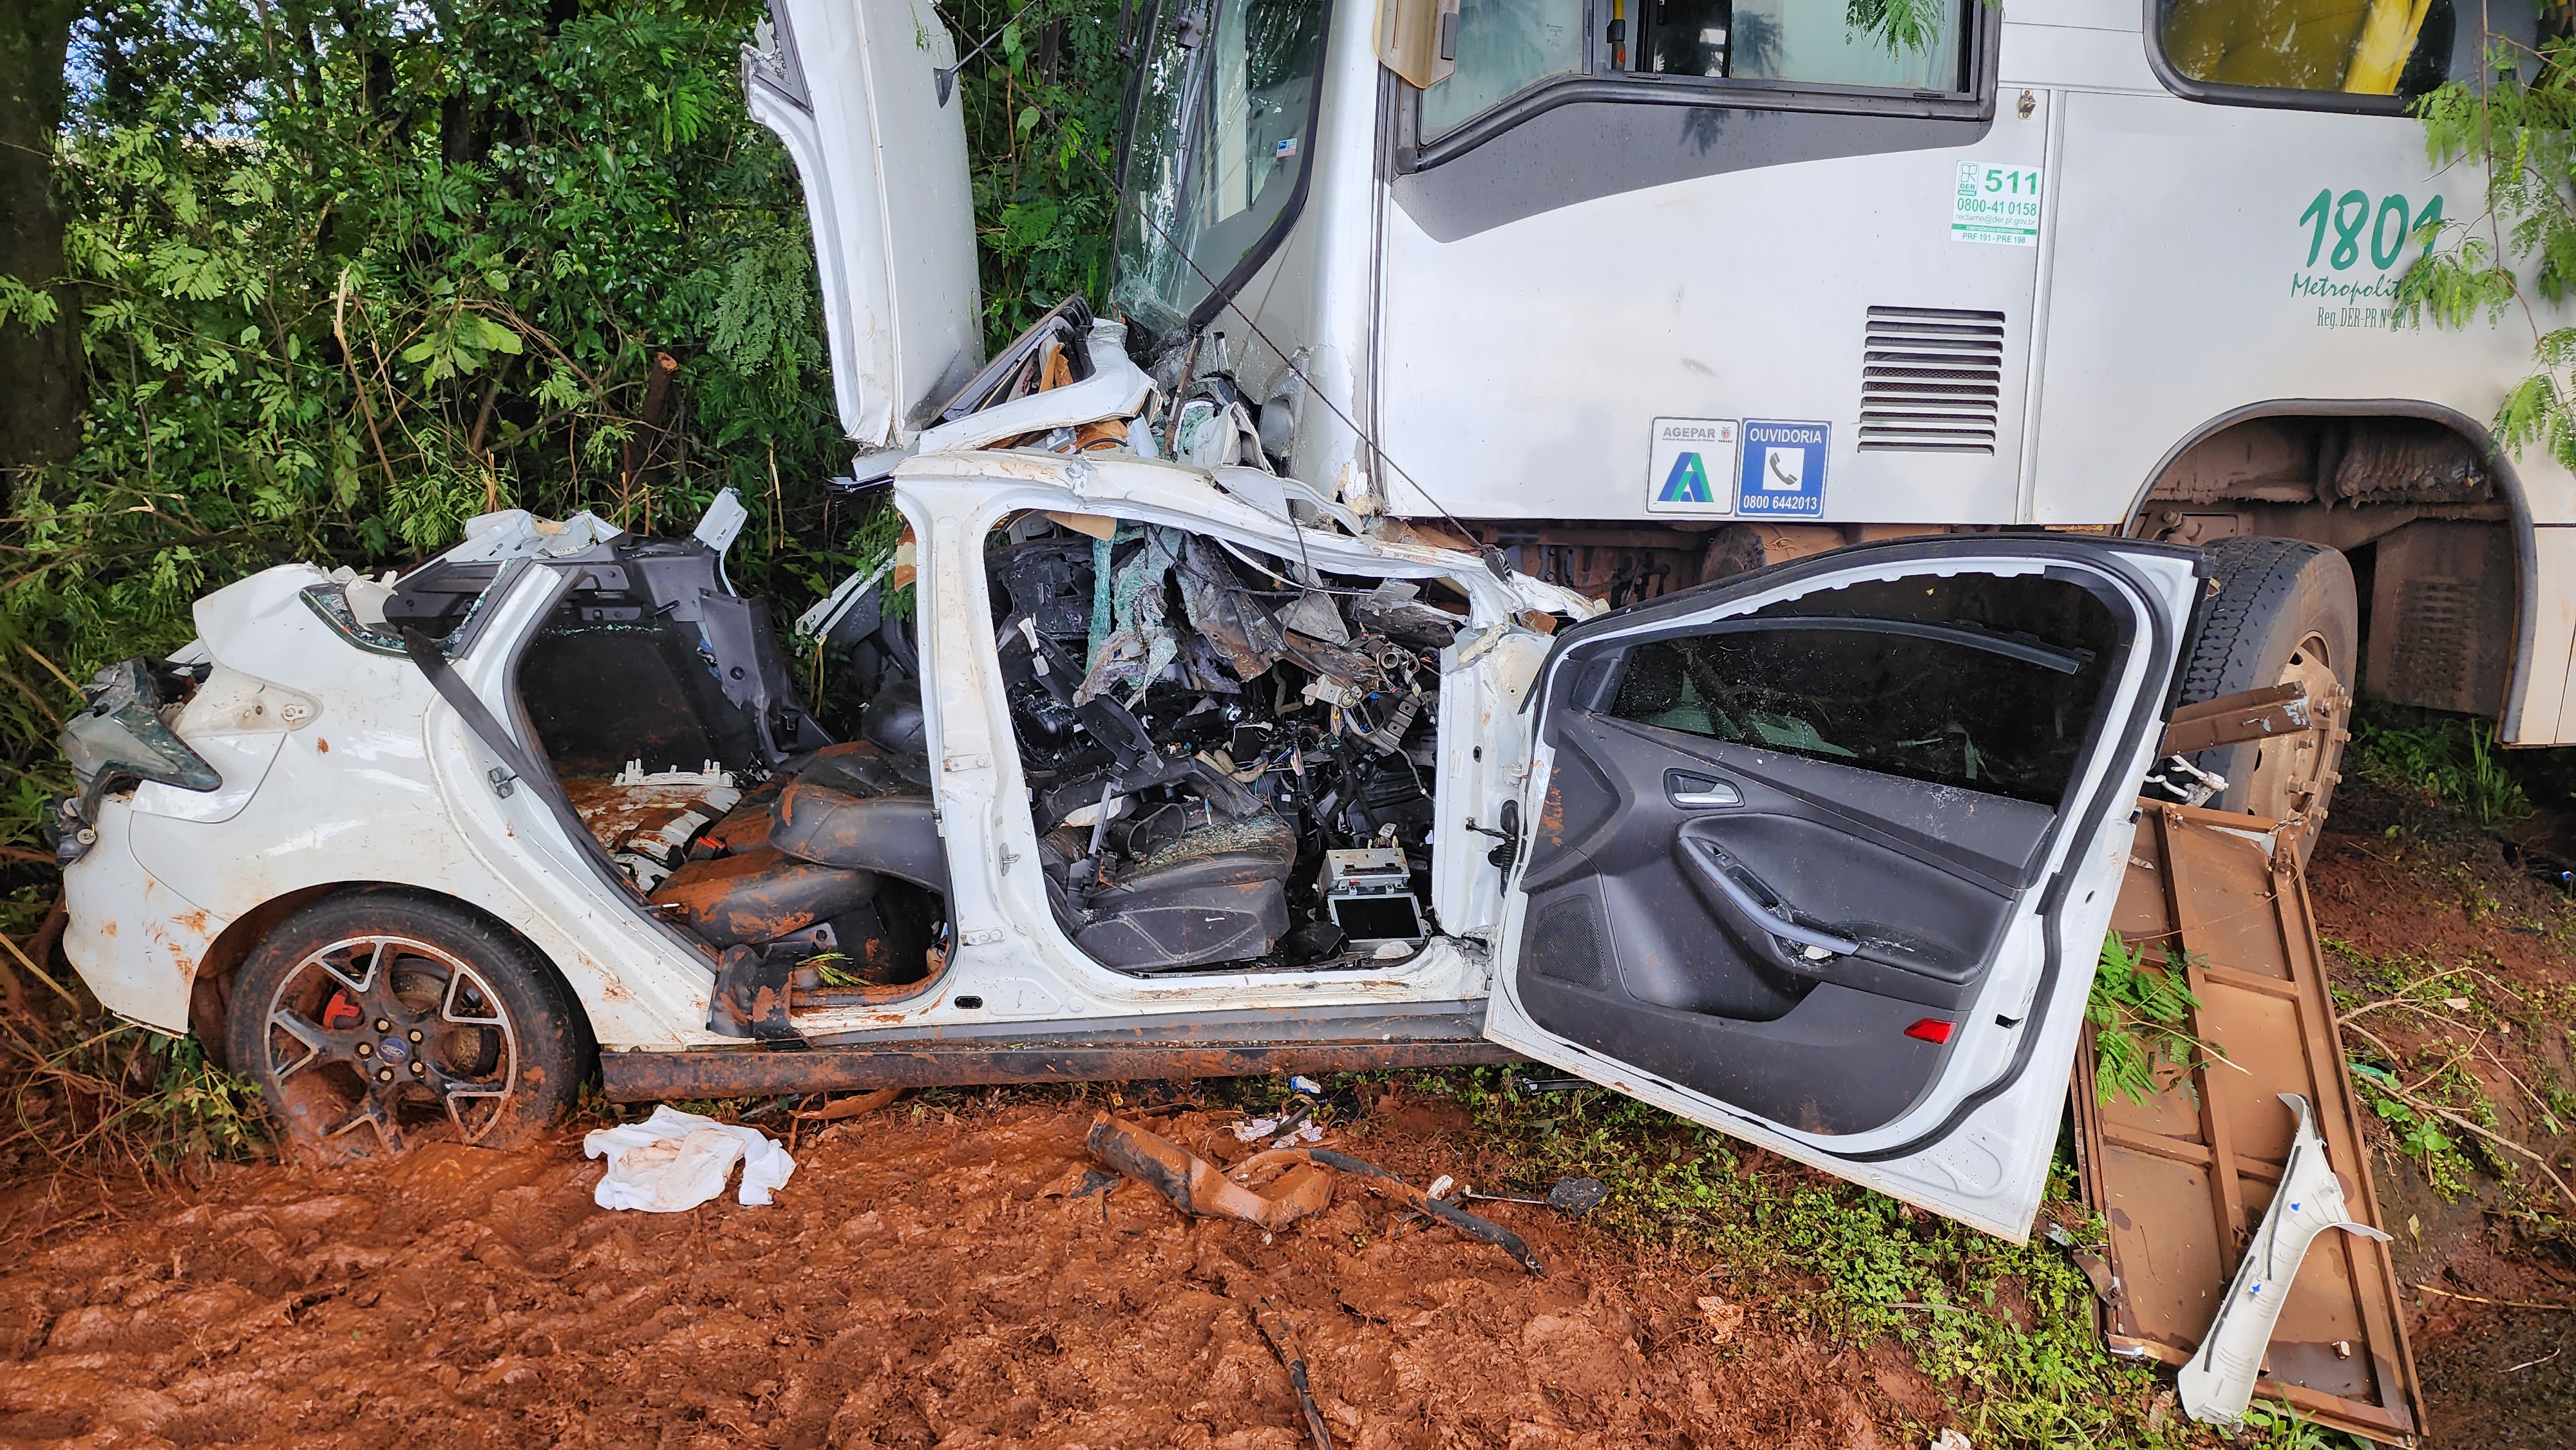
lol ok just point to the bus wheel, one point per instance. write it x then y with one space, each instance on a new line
2281 610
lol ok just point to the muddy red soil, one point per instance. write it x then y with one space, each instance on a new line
2494 1374
928 1279
917 1283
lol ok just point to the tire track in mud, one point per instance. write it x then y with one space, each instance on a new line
918 1283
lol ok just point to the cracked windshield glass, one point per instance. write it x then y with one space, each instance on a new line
1220 141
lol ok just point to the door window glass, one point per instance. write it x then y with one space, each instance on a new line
1987 684
1221 132
2401 48
1815 41
1507 46
1504 47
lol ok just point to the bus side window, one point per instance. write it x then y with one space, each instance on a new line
1504 48
1814 41
2401 48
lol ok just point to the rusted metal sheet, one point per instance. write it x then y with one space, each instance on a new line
2234 719
2184 1178
648 1076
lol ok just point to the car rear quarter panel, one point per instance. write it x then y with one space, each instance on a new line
352 798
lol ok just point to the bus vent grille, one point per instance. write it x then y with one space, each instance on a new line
1931 380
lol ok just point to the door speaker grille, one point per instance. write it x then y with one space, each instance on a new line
1931 380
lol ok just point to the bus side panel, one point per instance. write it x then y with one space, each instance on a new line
1525 363
2215 259
2547 707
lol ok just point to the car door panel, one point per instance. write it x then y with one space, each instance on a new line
1806 848
1676 878
1792 1069
854 90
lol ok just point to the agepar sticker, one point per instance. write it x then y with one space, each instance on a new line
1688 466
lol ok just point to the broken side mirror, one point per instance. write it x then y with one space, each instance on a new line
1418 40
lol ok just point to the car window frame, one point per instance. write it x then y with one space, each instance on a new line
2268 98
2004 645
1595 84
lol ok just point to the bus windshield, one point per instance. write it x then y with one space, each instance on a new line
1221 131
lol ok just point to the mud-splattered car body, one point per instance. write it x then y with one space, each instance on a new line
343 760
1171 766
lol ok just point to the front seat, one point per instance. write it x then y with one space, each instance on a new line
1218 892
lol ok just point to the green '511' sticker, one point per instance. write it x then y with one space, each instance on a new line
1996 202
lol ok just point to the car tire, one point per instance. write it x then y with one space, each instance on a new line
381 1019
2279 610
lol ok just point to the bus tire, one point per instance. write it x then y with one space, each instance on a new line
2279 610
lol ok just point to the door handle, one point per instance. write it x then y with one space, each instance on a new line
1755 918
1687 790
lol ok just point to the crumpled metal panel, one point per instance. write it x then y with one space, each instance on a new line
2184 1178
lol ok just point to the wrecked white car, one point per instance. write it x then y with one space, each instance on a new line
1172 766
1169 775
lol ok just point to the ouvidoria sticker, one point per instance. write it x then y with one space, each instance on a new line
1689 465
1996 202
1784 470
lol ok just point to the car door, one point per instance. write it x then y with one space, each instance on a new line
1823 857
861 92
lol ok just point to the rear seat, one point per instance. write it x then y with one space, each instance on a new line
809 849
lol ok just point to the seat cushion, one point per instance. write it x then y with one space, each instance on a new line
1255 849
760 895
896 835
1217 894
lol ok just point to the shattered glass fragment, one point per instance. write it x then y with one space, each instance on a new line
1143 643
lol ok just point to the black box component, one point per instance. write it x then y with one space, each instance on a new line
1369 894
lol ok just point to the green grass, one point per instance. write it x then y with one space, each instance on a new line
96 1095
2450 759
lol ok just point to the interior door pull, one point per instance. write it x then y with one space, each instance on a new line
1692 790
1758 915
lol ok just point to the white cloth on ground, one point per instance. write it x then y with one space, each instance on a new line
674 1161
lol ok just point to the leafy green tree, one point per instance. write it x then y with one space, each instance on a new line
2515 124
349 275
39 336
1041 127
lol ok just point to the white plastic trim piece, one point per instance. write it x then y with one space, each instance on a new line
1117 388
2218 1383
818 621
723 521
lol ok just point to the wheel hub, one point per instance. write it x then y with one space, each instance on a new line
2292 776
391 1034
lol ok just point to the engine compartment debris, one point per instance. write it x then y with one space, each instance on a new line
1231 759
1275 1188
1201 1189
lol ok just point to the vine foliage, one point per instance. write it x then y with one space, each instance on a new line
347 276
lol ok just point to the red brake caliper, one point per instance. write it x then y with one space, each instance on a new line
341 1011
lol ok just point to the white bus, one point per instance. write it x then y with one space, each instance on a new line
1651 291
